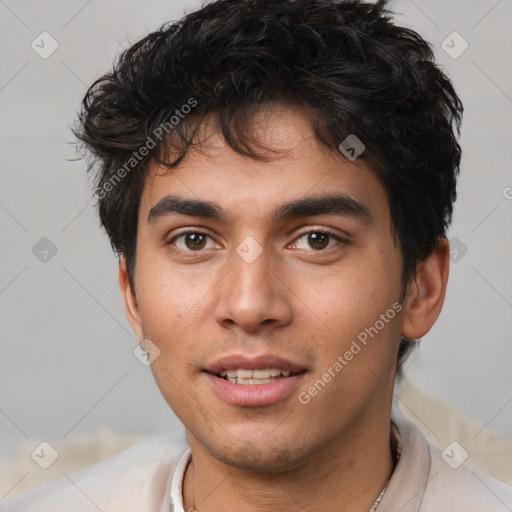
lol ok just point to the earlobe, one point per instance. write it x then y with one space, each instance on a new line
426 291
131 308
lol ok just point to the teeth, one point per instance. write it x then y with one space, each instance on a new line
254 381
235 380
260 376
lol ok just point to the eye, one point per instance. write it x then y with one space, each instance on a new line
192 241
317 240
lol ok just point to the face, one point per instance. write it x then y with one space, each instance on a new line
286 265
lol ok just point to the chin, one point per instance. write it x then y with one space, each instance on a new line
251 458
260 455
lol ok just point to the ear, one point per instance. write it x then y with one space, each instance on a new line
131 308
426 292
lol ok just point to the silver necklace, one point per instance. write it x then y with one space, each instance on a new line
378 500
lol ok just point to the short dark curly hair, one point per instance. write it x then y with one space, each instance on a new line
346 62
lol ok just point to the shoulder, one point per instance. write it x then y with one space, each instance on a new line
454 485
136 479
435 481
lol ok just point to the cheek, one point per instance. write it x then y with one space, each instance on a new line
171 305
172 311
351 297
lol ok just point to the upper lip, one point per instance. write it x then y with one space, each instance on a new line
244 362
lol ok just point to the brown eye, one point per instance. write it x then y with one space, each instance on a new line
192 241
317 240
195 241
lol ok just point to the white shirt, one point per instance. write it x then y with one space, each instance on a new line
149 478
176 493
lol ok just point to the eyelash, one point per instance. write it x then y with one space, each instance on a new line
322 231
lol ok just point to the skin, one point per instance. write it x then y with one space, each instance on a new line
304 303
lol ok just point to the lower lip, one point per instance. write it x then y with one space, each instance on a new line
253 395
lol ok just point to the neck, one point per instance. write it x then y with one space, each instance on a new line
346 474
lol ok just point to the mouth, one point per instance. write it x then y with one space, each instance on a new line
251 382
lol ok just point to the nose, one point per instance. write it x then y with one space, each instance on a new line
252 296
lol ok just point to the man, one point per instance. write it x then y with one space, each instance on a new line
277 178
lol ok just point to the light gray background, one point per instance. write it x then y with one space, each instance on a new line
68 365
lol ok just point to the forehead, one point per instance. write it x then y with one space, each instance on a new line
298 165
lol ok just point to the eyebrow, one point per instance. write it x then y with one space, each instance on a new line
309 206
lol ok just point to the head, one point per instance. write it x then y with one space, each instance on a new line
234 116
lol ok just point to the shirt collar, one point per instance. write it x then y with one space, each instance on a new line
412 472
177 482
